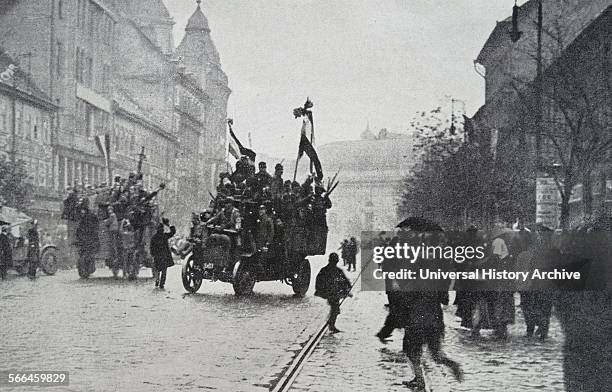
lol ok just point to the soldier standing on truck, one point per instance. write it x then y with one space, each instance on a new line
227 218
265 230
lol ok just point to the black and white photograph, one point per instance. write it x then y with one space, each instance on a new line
306 196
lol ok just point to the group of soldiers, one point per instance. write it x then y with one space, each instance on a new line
126 206
265 207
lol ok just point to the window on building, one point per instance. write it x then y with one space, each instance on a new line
84 10
3 115
19 120
88 120
28 126
60 9
90 77
45 126
59 61
92 20
77 65
79 16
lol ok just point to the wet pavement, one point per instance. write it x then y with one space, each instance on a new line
355 360
116 335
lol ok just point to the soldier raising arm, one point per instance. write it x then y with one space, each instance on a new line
228 217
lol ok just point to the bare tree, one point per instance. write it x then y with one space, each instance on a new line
569 105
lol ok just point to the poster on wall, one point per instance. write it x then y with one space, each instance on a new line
548 197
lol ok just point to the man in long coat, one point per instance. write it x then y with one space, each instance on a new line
6 252
160 251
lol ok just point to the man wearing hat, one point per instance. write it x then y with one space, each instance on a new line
228 217
33 248
332 285
264 233
276 183
262 176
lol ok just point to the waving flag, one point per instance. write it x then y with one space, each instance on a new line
307 147
243 150
104 146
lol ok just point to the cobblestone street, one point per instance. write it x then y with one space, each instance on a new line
356 361
116 335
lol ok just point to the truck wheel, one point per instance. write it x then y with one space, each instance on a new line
301 282
133 266
48 261
244 281
83 268
192 278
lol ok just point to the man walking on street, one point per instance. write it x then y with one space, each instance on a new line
112 225
332 285
161 251
6 252
33 249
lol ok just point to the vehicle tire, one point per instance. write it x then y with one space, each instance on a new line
301 283
244 281
192 278
83 268
48 261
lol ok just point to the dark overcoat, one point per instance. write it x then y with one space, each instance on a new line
160 250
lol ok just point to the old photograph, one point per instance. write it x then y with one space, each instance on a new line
314 196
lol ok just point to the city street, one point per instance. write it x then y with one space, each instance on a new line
116 335
355 360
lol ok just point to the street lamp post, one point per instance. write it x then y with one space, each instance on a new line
515 35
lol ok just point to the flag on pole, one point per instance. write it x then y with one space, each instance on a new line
233 148
104 146
243 150
307 147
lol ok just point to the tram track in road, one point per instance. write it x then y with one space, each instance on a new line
290 374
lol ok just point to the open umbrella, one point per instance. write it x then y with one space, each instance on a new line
418 223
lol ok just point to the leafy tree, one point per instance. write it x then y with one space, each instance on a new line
14 189
457 181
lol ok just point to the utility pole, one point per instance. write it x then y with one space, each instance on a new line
515 35
539 92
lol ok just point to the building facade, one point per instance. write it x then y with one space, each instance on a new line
26 120
110 67
371 174
575 53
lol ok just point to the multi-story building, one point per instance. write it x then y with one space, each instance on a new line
371 174
172 102
575 56
26 117
71 51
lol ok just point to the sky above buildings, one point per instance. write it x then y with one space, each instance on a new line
360 61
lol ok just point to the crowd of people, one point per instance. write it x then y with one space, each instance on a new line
481 304
267 210
126 208
348 250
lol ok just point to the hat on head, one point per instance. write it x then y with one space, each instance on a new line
278 167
